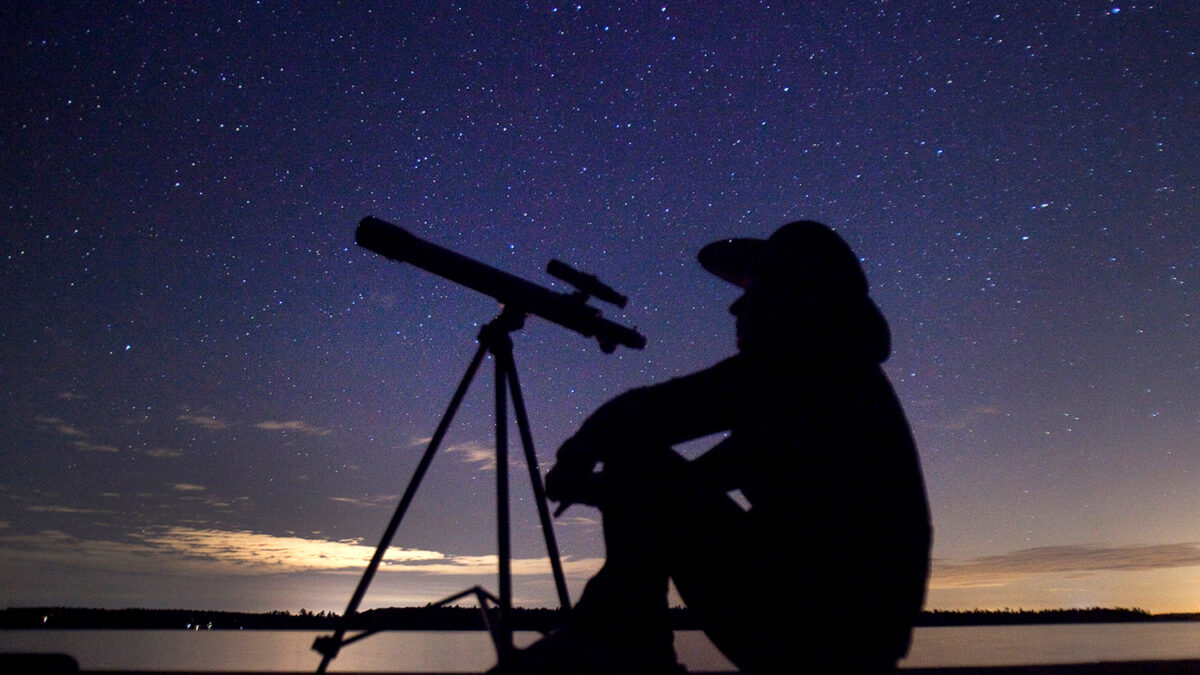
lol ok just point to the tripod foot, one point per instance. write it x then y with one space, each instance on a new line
327 646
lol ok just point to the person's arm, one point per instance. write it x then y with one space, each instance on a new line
674 411
678 410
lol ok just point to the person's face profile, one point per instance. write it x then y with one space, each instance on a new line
770 318
751 314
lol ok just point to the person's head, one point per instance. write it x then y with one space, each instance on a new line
805 292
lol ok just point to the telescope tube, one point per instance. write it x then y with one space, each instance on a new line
563 309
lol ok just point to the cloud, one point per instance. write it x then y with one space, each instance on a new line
63 509
370 502
578 521
293 425
187 487
61 426
205 421
477 454
163 452
483 457
1075 560
94 447
487 564
53 546
244 551
200 551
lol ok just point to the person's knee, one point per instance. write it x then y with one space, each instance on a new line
655 461
649 476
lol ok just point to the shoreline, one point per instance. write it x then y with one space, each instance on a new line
431 618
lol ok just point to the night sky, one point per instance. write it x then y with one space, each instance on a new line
210 397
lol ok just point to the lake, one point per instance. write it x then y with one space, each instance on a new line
471 651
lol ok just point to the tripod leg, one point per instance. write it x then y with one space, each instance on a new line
504 544
329 646
539 491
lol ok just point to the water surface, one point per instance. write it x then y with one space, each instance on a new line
472 651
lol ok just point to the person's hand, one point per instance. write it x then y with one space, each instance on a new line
567 482
571 480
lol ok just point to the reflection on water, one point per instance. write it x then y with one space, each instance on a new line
1064 643
471 651
412 651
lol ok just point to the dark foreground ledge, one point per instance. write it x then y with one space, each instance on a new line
62 663
1103 668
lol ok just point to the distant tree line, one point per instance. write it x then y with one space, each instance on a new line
432 617
155 619
392 618
982 617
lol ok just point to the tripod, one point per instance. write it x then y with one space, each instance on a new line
494 338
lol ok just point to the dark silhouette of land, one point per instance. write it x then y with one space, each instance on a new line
469 618
1005 617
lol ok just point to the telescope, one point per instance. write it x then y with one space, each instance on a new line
518 298
569 310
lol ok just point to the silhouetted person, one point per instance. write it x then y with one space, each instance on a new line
826 571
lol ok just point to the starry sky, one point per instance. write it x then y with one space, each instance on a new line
210 397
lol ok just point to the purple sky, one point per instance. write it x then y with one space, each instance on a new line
210 397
